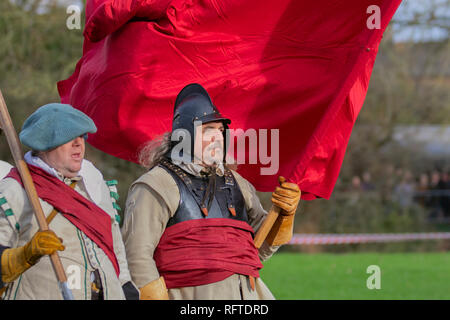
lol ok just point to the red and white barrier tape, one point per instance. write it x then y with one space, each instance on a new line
311 239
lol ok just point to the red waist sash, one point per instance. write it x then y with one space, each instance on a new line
82 213
203 251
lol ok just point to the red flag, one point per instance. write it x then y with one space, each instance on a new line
299 66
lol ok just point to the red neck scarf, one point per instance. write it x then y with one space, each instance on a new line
81 212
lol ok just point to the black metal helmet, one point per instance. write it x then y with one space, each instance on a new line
192 104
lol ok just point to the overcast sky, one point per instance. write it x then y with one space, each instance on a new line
409 8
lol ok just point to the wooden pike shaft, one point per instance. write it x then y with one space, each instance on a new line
267 224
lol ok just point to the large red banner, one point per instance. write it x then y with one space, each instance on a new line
300 67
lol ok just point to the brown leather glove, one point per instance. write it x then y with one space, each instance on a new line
16 261
155 290
286 197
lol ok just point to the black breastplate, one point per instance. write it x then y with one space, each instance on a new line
227 202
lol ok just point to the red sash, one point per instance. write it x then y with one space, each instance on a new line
202 251
82 213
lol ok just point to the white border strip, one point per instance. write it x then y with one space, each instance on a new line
312 239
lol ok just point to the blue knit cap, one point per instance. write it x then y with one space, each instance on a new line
54 124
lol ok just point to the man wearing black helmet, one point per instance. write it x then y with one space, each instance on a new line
190 220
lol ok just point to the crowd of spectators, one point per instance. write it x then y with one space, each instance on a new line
430 190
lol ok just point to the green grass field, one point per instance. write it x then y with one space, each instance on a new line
343 276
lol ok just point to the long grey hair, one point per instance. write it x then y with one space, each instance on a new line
153 151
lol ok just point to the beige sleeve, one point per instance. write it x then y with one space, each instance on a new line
147 211
119 249
13 197
105 202
256 213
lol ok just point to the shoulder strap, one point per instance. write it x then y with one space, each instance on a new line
184 177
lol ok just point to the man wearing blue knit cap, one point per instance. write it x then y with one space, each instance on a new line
79 209
55 133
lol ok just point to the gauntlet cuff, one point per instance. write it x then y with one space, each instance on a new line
282 230
13 263
155 290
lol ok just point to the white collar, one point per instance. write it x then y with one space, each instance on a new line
38 162
196 169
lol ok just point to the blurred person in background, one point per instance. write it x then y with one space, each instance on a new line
367 184
355 190
422 189
387 183
436 211
404 191
444 189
